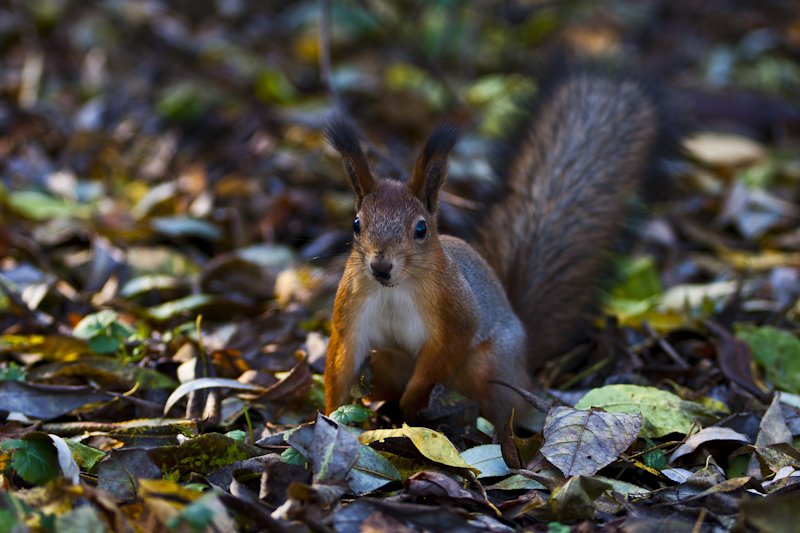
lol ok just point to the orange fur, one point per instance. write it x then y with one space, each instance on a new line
425 308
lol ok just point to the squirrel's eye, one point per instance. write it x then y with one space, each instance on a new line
357 226
420 230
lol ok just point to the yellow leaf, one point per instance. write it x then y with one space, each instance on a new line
760 262
49 347
436 447
431 444
157 488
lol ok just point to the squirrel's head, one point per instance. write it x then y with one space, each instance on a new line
395 226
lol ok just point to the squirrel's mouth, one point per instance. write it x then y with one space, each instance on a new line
386 282
382 277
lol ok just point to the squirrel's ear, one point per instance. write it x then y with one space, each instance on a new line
344 140
430 170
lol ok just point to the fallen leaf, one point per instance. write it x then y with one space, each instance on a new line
335 454
707 435
734 358
488 459
773 514
207 383
582 442
46 401
201 455
663 412
724 149
119 472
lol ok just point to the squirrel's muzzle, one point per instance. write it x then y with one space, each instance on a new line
381 269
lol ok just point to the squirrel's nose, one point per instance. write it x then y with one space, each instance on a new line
381 269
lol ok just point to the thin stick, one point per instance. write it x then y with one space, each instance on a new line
667 347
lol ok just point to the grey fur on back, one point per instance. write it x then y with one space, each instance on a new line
575 170
491 302
499 323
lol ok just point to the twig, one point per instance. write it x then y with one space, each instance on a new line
700 519
538 404
146 404
667 347
584 373
324 45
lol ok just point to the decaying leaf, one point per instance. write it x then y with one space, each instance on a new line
335 454
120 471
573 501
46 401
582 442
706 435
776 514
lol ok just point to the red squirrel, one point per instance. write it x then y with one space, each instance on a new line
426 307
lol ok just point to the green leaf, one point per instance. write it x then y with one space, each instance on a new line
40 206
181 226
103 344
184 102
147 283
197 515
175 307
408 77
236 434
777 352
147 378
293 457
95 324
640 278
558 527
655 459
12 372
371 471
35 460
663 411
273 86
7 521
86 456
351 413
120 329
103 331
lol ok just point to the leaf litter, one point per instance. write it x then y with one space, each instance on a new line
172 229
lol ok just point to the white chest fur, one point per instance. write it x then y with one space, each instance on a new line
391 319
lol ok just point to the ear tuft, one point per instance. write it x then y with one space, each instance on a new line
343 138
430 170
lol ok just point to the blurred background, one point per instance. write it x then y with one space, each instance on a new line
165 158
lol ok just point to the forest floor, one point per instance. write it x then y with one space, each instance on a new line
173 227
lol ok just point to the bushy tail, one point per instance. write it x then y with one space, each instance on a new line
592 145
